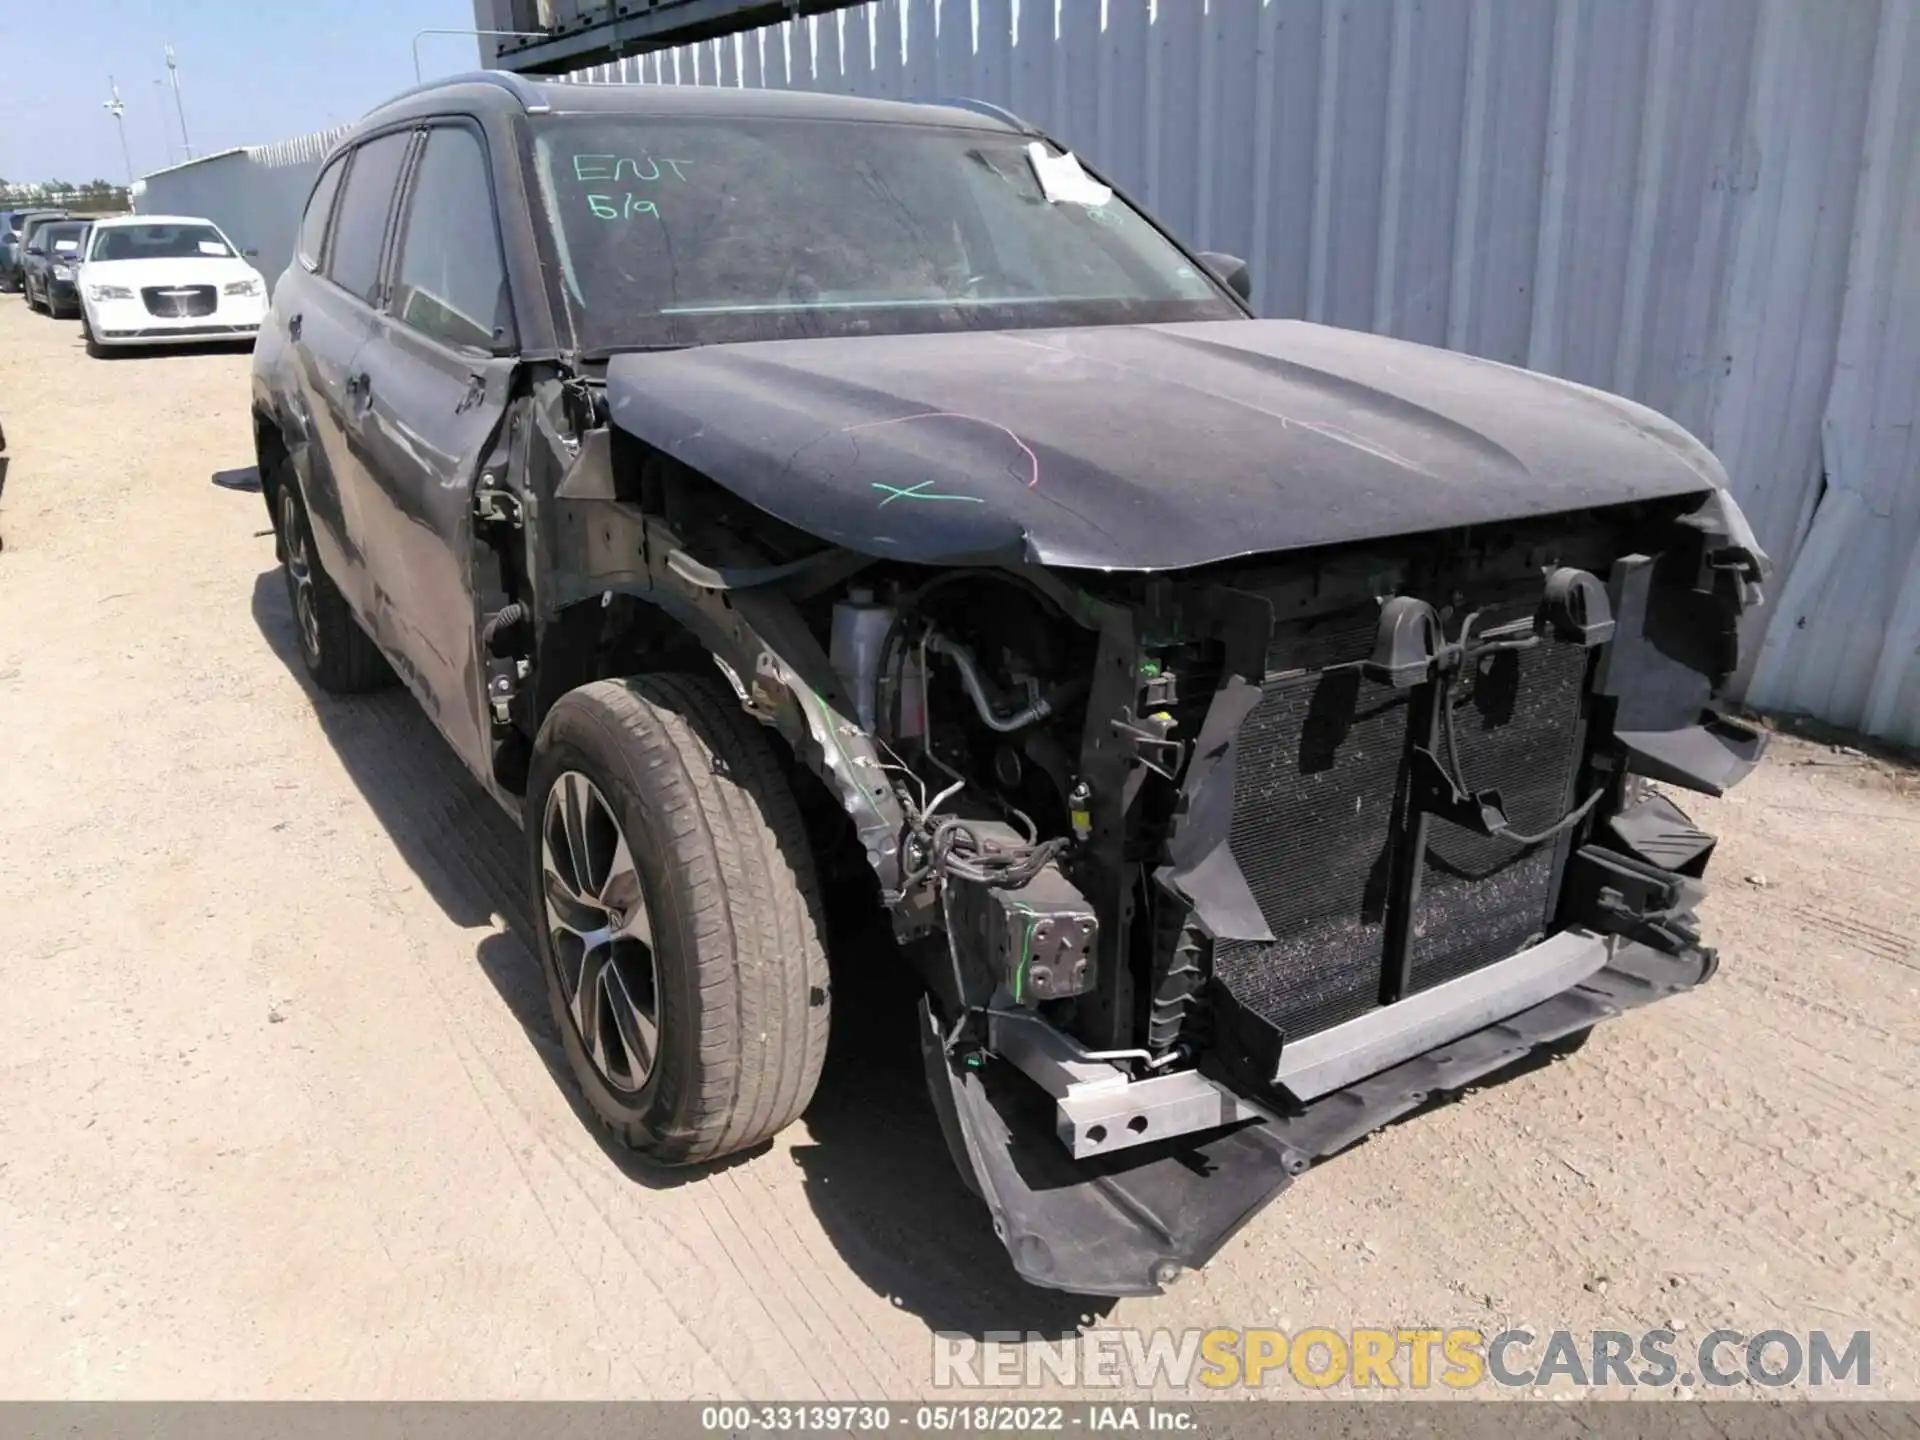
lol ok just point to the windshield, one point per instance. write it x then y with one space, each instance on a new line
63 239
159 242
675 232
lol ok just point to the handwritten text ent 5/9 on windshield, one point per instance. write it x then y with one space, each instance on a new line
644 170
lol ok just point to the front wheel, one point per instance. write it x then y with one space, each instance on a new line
680 925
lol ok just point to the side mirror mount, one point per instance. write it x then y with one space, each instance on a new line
1231 271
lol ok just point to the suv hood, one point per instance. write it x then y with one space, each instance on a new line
1150 447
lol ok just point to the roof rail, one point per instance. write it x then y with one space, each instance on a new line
518 86
983 107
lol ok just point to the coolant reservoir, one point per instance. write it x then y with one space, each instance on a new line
860 625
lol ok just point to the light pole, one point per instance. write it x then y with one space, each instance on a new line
173 71
118 111
160 104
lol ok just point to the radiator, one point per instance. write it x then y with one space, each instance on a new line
1320 796
1481 899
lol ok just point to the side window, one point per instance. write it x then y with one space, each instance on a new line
313 226
353 260
451 283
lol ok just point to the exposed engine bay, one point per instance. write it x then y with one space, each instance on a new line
1209 871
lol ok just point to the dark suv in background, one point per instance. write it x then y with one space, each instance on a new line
50 266
798 509
16 228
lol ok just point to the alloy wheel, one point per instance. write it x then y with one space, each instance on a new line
601 933
293 538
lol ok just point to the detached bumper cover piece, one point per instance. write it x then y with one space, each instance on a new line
1129 1224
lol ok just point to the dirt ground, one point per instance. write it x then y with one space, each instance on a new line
282 1113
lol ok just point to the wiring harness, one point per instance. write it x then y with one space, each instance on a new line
1464 652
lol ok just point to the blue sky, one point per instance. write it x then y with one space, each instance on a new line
250 71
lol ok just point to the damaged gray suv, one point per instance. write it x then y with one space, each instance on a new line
789 504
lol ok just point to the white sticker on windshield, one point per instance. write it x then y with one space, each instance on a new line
59 245
1062 180
212 247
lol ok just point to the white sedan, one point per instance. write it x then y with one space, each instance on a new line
162 279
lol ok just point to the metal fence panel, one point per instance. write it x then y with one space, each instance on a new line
1845 643
1712 206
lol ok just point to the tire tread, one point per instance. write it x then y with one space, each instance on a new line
742 875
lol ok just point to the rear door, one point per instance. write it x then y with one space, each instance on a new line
434 385
287 378
329 318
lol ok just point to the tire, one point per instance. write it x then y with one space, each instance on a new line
95 350
730 934
338 653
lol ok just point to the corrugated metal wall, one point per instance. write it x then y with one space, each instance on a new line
1845 640
1710 205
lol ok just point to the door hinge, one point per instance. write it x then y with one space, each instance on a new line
501 507
504 678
